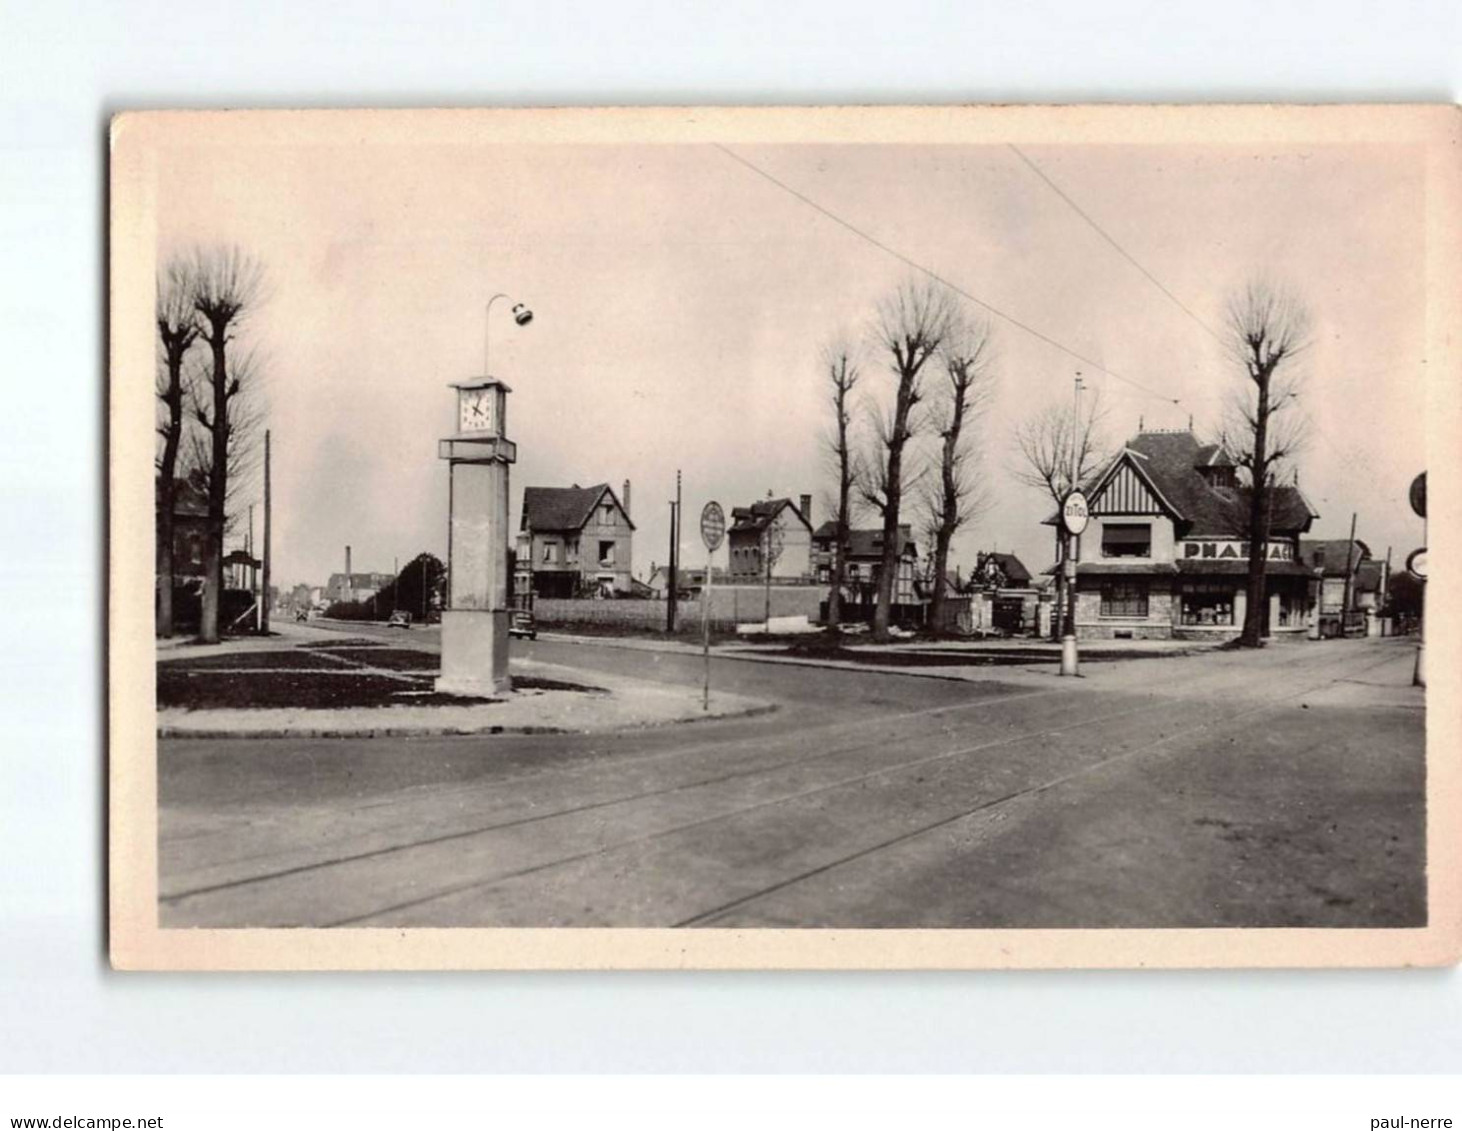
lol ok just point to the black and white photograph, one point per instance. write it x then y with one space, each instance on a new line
767 538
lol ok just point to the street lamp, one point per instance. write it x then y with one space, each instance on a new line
521 315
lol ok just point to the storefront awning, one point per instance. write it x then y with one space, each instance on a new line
1210 567
1130 569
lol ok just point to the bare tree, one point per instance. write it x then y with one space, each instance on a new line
840 363
177 330
227 285
968 356
1268 326
910 327
1053 440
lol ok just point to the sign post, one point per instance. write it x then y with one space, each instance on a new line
713 529
1075 514
1416 566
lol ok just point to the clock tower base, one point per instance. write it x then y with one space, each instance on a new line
474 652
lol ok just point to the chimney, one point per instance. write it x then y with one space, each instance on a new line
807 508
347 565
624 498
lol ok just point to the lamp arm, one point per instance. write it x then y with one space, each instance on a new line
487 333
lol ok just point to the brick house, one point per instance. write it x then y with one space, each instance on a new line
1165 554
574 541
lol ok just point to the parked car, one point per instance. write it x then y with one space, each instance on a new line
399 619
522 624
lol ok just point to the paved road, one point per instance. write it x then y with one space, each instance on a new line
1284 788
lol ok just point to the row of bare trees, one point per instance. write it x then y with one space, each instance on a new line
924 328
209 408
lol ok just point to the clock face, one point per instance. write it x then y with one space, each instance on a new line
476 410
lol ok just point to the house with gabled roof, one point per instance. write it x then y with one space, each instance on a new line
1166 552
789 527
863 561
574 542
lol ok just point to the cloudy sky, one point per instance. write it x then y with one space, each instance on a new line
681 300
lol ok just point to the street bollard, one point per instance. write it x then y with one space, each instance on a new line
1068 655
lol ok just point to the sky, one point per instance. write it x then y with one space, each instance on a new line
681 301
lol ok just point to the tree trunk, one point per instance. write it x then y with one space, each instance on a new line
942 538
164 626
835 593
217 494
167 488
882 612
1257 612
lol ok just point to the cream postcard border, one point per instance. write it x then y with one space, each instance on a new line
140 140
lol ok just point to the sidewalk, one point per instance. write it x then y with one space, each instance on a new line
594 703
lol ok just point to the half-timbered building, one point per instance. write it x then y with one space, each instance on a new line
1166 554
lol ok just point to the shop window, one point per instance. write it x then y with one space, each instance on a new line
1125 598
1126 540
1207 602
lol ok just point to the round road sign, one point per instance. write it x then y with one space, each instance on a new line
713 525
1416 564
1075 512
1418 495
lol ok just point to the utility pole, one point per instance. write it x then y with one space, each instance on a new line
1349 576
265 609
1069 655
670 605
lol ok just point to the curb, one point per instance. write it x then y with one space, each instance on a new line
429 731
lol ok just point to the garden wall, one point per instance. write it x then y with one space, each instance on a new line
730 605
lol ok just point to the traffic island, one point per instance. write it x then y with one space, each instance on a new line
361 689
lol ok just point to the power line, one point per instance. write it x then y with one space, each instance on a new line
1118 248
1148 275
917 266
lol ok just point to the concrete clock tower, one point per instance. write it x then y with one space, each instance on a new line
475 621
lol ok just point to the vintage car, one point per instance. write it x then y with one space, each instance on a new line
522 624
399 619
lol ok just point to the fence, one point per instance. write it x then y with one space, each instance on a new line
730 605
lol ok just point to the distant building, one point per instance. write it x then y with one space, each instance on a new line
864 563
355 587
689 580
574 541
1165 554
996 570
1335 560
791 524
190 528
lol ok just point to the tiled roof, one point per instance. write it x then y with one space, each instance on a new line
1013 568
868 543
562 508
189 497
755 517
1170 460
1330 553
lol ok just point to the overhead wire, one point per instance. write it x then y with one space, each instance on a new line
920 267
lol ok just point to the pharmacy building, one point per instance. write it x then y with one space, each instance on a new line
1165 556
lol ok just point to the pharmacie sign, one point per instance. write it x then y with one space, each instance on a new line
1235 548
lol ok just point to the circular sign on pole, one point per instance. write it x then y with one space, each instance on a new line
1416 564
1418 495
713 525
1075 513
